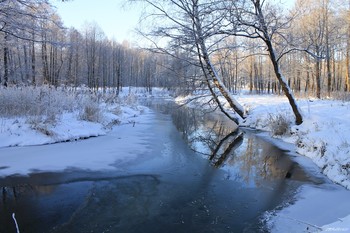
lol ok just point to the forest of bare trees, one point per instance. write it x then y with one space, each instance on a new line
312 40
37 49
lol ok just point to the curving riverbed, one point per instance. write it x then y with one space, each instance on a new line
187 172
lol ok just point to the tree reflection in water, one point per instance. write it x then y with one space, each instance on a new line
232 141
247 158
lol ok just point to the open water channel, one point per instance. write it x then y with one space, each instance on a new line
199 174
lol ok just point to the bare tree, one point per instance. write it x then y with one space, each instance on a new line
347 36
198 27
21 19
255 19
191 26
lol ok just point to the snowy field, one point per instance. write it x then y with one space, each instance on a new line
324 137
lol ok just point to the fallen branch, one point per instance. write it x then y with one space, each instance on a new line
14 219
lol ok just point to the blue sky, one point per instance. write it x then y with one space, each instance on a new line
116 19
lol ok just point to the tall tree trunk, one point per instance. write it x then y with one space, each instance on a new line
318 77
236 72
45 62
285 87
69 68
6 58
267 39
251 74
33 63
307 82
21 66
208 68
329 74
328 50
76 67
347 76
26 69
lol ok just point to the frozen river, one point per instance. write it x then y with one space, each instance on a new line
176 171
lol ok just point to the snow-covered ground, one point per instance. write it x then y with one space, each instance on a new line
121 144
122 121
324 137
69 125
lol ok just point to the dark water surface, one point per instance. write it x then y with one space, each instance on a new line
225 187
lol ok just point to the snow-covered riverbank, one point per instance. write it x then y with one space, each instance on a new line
324 137
52 123
20 132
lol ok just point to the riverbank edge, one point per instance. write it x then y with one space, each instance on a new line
322 137
325 121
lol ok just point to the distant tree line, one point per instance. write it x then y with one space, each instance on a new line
316 60
311 41
36 49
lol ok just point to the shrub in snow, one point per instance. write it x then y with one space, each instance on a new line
112 123
279 124
46 103
110 97
117 110
130 99
91 112
42 107
35 101
344 96
39 125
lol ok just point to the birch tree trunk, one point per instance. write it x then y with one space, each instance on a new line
267 39
208 67
185 29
